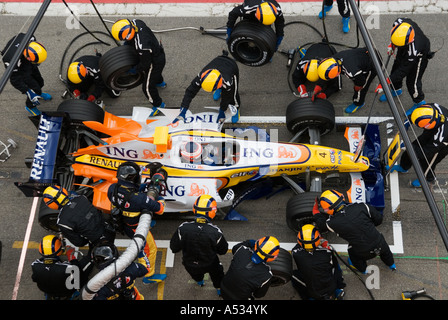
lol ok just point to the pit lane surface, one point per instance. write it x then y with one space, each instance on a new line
420 253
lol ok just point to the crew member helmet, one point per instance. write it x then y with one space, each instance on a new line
55 197
426 117
123 30
191 151
129 171
205 206
211 80
50 246
402 34
267 248
310 70
266 13
35 52
104 254
308 237
331 201
76 72
329 68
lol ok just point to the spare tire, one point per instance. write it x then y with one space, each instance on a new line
303 113
114 66
82 110
299 210
252 43
281 268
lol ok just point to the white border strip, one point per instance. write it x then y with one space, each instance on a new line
397 247
338 120
24 248
310 8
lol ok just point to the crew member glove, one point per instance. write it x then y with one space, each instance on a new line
91 98
162 207
390 49
70 253
315 208
34 97
302 91
317 93
379 88
181 116
76 93
221 116
358 88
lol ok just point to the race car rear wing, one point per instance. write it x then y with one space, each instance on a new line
45 152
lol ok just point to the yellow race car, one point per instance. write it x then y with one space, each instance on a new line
80 147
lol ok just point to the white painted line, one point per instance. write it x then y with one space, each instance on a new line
397 247
338 120
210 9
24 248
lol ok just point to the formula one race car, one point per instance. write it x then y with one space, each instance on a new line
81 145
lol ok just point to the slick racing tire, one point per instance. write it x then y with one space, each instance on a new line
114 66
299 210
251 43
82 110
48 218
304 113
281 268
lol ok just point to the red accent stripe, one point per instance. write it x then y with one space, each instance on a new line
162 1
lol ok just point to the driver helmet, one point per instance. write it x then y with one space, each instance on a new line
191 151
266 13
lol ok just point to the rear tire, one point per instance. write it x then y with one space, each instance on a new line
303 113
114 66
48 218
251 43
299 210
82 110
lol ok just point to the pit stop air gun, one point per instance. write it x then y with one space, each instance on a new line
157 180
410 295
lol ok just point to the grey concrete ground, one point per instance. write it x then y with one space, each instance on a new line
264 92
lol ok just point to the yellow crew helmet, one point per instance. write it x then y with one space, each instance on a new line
402 34
76 72
308 237
266 13
426 117
35 52
50 246
205 206
331 201
267 248
329 68
55 197
123 30
211 80
310 70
